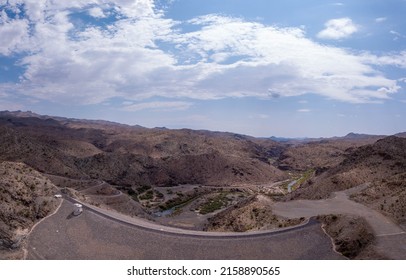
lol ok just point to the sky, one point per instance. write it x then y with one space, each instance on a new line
263 68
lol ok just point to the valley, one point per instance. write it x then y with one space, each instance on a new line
227 193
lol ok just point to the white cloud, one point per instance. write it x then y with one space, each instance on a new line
339 28
142 55
12 34
304 110
380 19
136 8
160 105
395 59
97 12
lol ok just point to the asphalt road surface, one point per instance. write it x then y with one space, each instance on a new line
102 235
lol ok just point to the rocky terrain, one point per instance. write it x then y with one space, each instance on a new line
252 214
387 195
26 196
368 163
131 156
352 236
381 164
321 154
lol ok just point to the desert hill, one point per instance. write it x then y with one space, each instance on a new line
321 153
383 159
381 164
402 134
126 155
25 197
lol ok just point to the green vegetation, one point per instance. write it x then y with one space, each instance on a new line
178 201
300 179
131 192
147 196
135 197
214 204
142 189
159 194
305 177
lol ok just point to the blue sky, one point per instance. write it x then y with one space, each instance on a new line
285 68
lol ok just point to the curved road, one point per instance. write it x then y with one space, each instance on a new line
102 234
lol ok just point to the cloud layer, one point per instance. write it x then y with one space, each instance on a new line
90 51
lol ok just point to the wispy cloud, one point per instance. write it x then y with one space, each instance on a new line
259 116
161 106
380 19
339 28
304 110
397 35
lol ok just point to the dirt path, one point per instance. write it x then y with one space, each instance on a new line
99 184
25 251
391 238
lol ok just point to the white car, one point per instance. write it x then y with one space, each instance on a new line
77 210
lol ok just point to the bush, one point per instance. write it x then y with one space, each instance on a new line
147 196
214 204
143 189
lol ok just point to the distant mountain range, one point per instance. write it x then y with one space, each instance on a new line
350 136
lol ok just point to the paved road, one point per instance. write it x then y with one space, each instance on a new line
104 235
391 239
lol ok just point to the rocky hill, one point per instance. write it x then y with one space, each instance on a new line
126 155
25 197
322 154
382 165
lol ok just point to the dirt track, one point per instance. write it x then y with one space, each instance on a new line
95 236
391 239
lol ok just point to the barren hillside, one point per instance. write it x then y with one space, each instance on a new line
131 156
26 196
322 154
381 160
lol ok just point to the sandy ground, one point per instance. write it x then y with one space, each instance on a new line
95 236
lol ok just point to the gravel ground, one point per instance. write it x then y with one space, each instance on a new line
95 236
